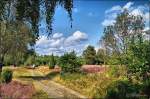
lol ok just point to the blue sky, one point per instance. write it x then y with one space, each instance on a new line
89 19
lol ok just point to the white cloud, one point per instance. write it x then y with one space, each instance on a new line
128 5
76 38
58 44
111 14
114 8
136 12
147 19
107 22
57 35
147 16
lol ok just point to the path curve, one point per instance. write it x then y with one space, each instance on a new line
55 90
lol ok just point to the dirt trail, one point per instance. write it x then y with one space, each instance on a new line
55 90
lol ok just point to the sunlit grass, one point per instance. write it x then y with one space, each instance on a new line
40 95
86 84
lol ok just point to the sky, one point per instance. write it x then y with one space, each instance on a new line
89 19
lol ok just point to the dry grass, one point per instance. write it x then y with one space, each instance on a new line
89 84
85 84
42 69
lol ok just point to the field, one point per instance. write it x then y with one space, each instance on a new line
88 84
48 83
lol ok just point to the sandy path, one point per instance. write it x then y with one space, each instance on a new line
55 90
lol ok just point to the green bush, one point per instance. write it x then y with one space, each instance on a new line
7 75
117 71
114 71
120 90
146 88
52 62
69 63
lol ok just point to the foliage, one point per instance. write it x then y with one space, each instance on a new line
138 60
101 56
125 44
146 87
125 30
29 10
52 62
7 75
30 61
13 36
69 63
92 85
114 71
89 55
120 90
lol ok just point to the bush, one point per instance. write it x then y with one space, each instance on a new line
7 75
69 63
120 90
146 87
100 89
52 62
117 71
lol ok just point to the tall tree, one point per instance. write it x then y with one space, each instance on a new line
89 55
132 47
102 56
52 62
126 29
15 37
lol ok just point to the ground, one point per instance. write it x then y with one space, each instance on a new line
38 78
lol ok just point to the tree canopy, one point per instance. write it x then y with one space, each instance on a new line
29 10
15 37
89 55
19 23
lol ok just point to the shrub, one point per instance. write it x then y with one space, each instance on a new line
69 63
120 90
100 89
117 71
7 75
52 62
146 87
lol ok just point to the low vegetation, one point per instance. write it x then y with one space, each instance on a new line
17 90
91 84
69 63
6 76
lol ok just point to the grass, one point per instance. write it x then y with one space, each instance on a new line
90 85
40 94
85 84
19 75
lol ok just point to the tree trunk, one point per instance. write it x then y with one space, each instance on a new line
1 63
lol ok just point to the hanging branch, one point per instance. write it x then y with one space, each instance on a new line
29 10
